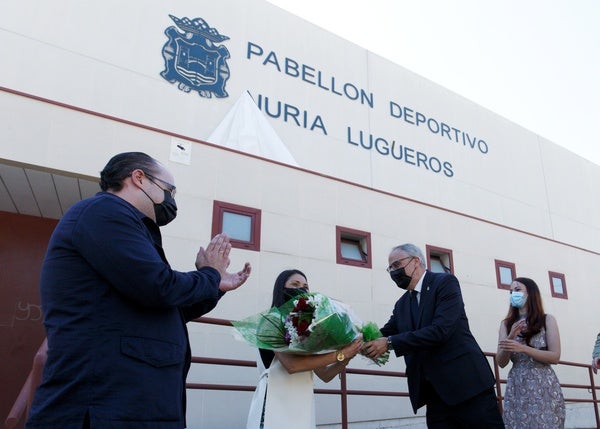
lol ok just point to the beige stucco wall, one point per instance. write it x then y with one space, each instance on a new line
300 210
527 201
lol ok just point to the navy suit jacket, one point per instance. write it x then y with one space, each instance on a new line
441 350
115 314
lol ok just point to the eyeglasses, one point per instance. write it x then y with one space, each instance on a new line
171 189
396 264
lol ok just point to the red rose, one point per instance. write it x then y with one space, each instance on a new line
302 305
303 327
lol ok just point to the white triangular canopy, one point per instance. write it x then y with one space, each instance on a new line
246 129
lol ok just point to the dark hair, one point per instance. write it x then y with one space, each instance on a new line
120 167
278 299
536 318
278 295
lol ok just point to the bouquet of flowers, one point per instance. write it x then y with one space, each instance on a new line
310 323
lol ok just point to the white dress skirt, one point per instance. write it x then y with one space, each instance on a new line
290 401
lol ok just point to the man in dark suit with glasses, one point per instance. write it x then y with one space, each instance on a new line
445 368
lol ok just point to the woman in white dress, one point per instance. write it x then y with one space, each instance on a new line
286 380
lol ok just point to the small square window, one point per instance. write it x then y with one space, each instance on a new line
439 260
241 224
350 249
353 247
558 285
237 226
505 273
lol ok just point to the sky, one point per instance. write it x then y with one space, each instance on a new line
534 62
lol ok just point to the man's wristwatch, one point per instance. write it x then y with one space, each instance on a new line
340 356
389 343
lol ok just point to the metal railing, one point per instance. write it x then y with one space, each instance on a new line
344 392
20 408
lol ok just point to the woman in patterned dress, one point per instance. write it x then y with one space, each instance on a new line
529 338
596 355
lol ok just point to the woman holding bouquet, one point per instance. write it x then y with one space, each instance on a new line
286 379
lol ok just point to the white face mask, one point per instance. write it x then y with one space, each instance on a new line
517 299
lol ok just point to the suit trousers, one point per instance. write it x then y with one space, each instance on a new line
479 412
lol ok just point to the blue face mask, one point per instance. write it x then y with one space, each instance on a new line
517 299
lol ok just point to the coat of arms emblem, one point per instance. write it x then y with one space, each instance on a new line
194 59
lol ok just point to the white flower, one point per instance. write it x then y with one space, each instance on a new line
291 329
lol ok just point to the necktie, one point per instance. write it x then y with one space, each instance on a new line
414 308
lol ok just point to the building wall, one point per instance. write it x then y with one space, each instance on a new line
300 210
515 177
22 249
523 200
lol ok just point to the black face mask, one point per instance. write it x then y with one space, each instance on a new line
166 211
400 277
289 293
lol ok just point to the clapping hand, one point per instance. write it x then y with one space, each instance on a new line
517 327
511 346
216 256
231 281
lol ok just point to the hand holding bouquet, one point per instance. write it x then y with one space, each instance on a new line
311 323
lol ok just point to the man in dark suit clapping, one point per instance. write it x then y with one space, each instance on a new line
115 311
446 369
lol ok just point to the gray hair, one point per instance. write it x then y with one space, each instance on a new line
412 250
